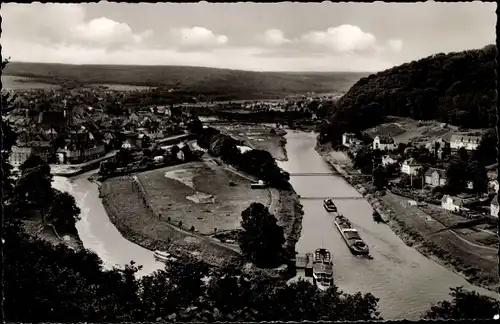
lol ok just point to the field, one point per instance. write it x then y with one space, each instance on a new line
200 195
216 84
409 130
258 137
10 82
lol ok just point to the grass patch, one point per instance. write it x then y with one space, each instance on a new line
198 194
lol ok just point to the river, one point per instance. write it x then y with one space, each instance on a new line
97 232
406 282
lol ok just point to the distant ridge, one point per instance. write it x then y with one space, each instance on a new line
225 84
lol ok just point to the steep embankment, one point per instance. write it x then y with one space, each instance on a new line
215 84
456 88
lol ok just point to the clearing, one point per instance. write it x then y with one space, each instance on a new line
258 136
404 130
199 194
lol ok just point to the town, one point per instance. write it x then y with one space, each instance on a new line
228 191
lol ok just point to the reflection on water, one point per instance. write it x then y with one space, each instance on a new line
406 282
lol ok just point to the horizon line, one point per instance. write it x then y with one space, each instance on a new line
191 66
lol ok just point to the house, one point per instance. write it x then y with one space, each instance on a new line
383 142
389 159
26 145
21 153
435 177
494 208
452 204
81 146
410 167
347 139
470 143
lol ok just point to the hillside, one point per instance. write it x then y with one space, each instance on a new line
455 88
216 84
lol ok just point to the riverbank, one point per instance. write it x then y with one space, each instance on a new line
443 248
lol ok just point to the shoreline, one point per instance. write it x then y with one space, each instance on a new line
407 235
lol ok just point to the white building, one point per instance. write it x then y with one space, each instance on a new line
384 143
347 139
494 207
451 203
470 143
410 167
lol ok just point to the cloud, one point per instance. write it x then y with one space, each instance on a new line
198 38
341 39
275 37
345 40
104 32
65 24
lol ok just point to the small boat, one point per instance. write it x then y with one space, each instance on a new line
322 269
350 236
329 205
163 256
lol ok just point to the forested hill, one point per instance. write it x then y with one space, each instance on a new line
456 88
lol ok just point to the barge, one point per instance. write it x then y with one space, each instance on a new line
351 236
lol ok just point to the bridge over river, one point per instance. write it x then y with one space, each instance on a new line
334 198
323 174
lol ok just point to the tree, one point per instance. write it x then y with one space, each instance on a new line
363 161
186 278
463 154
456 174
35 187
486 151
123 156
379 177
262 238
195 126
145 141
188 153
32 161
476 172
9 138
63 212
464 305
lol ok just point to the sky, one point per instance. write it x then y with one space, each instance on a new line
358 37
